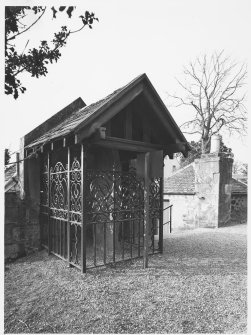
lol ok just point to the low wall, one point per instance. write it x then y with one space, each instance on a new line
22 233
184 213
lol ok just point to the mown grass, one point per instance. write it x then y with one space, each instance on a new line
197 286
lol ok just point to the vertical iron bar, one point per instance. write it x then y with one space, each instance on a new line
56 236
113 216
83 208
153 231
94 243
123 244
68 211
146 209
130 235
133 230
49 205
139 221
60 239
161 214
114 238
170 219
63 237
104 242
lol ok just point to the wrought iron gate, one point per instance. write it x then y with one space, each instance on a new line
97 215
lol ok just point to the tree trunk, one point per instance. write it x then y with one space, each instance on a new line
205 145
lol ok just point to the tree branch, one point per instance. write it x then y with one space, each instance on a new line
23 31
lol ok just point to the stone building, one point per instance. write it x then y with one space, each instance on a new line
204 194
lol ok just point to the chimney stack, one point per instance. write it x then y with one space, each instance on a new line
215 144
213 173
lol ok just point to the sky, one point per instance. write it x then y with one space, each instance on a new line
132 37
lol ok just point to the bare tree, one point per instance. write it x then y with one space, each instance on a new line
213 87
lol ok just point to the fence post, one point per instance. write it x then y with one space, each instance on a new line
171 219
146 210
83 209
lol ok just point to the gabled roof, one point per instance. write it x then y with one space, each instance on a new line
88 117
183 182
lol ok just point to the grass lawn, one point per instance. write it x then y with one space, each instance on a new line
198 285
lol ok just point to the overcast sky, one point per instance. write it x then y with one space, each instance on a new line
133 37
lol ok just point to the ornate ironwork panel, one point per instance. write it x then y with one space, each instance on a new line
58 192
75 192
113 213
75 212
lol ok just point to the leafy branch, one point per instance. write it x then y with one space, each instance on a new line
35 60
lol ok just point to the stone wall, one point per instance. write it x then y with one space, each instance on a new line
14 235
21 235
184 212
239 208
213 187
207 179
22 228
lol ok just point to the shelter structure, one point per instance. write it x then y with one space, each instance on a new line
93 176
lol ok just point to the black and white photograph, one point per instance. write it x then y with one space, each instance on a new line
125 173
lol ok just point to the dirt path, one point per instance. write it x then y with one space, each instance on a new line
197 286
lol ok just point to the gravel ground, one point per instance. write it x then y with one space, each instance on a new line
199 285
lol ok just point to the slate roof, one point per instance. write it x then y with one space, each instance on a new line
183 182
78 116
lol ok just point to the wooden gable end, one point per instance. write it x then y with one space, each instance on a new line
138 122
138 127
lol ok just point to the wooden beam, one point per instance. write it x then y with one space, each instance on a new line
138 146
146 210
124 144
